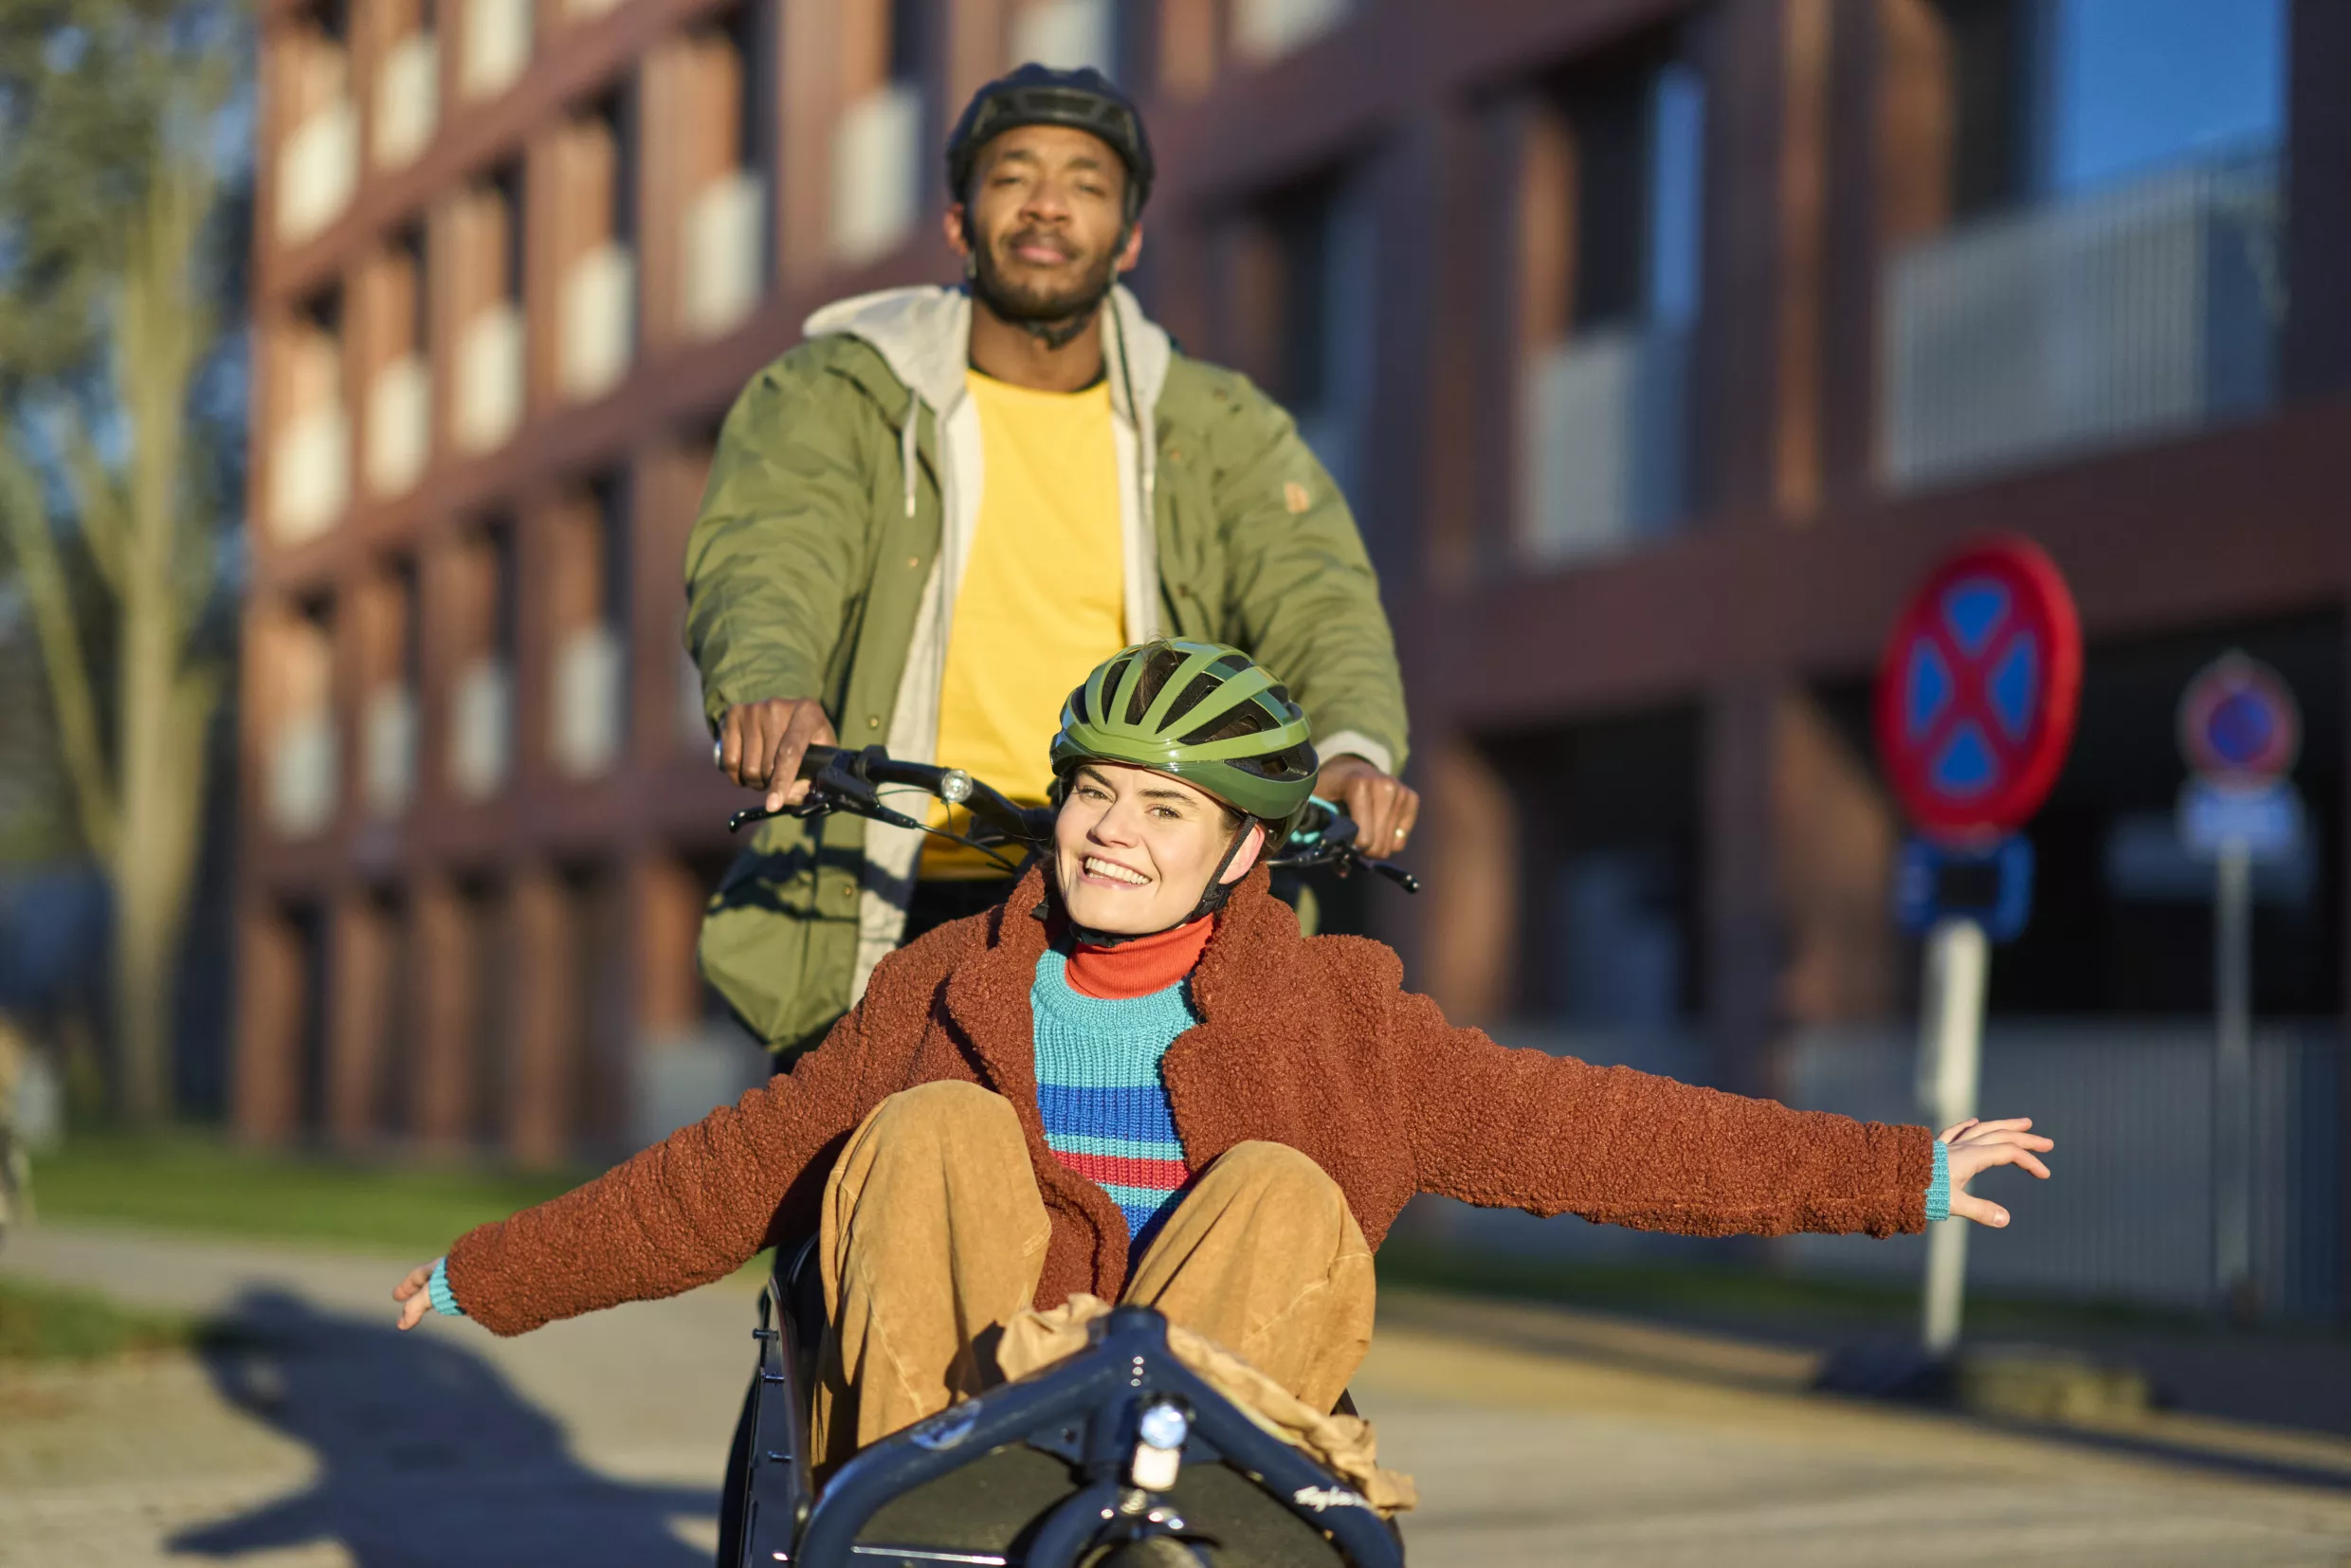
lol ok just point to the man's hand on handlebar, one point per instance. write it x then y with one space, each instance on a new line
1384 808
761 745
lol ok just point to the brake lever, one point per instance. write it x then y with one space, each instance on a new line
837 787
1393 872
809 809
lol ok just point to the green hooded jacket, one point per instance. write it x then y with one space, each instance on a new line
834 529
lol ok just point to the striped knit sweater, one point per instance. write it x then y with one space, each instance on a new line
1097 1084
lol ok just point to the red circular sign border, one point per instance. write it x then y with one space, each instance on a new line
2047 603
2203 693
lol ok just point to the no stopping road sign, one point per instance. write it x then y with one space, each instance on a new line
1977 691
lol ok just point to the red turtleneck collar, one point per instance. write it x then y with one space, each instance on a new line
1140 967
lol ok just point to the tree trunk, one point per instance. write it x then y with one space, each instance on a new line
166 704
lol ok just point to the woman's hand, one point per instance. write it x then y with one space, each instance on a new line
1975 1146
415 1301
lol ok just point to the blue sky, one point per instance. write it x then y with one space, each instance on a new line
2144 82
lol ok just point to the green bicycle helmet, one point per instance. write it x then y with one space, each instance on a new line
1202 712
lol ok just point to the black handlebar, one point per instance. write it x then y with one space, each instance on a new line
842 779
1324 835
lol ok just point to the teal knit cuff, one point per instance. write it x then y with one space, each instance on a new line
445 1300
1938 1189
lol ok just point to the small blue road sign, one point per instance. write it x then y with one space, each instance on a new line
1991 885
2264 820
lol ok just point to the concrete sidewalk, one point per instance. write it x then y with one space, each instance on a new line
322 1437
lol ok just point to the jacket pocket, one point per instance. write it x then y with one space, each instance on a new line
772 943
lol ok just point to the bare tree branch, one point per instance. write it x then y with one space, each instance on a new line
71 696
96 499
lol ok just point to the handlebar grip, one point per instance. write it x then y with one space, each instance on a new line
816 759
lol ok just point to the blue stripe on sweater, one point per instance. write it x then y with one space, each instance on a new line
1122 1120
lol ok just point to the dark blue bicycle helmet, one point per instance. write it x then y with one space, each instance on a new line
1084 100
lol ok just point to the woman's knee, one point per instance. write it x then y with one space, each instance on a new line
1276 1170
949 1113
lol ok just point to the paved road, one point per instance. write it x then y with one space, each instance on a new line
1538 1438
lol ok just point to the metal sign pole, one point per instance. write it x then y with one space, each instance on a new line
2233 1076
1950 1069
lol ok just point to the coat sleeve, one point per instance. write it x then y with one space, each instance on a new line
1301 597
777 556
1551 1135
692 1208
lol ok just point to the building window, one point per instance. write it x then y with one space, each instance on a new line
878 147
1264 30
399 385
481 748
598 336
1600 900
310 459
300 763
728 249
318 131
589 718
1306 307
391 676
486 282
1066 34
407 105
1612 210
2101 256
496 47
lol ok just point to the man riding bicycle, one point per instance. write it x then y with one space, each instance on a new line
923 526
1135 1079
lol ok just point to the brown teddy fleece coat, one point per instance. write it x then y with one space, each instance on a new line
1310 1041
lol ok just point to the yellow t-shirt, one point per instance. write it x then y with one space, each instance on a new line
1043 594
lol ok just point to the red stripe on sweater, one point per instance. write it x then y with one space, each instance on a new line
1161 1175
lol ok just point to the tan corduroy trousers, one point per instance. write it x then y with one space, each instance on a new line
934 1236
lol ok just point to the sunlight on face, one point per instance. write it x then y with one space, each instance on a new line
1133 850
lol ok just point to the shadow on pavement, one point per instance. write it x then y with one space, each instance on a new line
426 1455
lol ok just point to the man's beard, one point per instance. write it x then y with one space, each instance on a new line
1053 319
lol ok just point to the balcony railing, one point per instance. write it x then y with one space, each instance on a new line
310 474
1607 442
481 729
2130 1215
590 716
1266 29
496 47
1065 34
302 768
407 100
877 174
2094 321
399 433
318 167
599 321
726 253
388 766
489 383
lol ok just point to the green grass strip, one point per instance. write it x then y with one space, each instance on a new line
47 1323
191 1181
